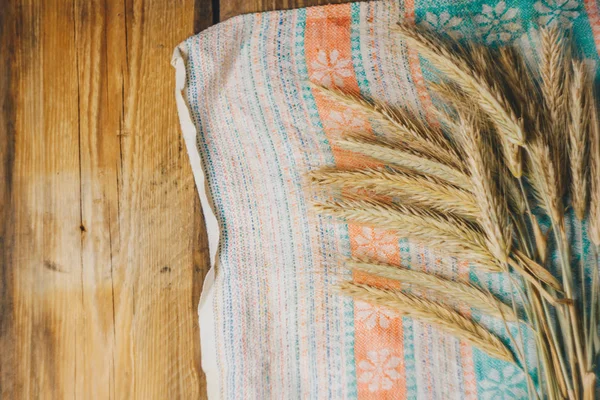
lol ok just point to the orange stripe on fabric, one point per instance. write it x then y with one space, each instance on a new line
329 60
591 8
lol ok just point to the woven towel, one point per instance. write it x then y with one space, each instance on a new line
271 323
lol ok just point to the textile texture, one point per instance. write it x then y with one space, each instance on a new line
272 325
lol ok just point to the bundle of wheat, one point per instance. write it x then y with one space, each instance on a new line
450 189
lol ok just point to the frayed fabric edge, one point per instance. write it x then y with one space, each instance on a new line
205 307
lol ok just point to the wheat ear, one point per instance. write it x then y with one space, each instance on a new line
416 188
543 175
403 156
482 61
494 216
453 96
578 136
553 70
489 97
408 129
457 291
454 235
433 313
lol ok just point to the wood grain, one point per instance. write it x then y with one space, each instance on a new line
231 8
102 253
102 243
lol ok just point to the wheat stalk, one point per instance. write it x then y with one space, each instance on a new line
489 97
403 156
416 188
457 291
431 312
455 236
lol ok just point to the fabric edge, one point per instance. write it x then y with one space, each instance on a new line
205 310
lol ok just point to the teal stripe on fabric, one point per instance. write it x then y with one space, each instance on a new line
497 379
196 81
410 367
355 42
302 71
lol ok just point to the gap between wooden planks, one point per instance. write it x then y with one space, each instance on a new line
102 249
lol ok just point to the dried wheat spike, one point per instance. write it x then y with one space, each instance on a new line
399 154
454 235
578 137
494 217
451 94
543 176
555 74
431 312
490 98
416 188
400 125
456 291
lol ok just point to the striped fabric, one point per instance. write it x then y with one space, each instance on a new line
271 323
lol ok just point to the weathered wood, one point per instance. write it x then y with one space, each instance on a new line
42 240
205 14
231 8
102 252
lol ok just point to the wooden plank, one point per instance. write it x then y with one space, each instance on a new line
101 247
231 8
205 14
155 311
99 171
41 236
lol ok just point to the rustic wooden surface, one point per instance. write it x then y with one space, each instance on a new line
230 8
102 249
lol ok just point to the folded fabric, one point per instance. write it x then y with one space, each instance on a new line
272 325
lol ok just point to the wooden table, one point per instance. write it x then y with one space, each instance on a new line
102 249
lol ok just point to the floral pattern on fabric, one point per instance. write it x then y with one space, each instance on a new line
331 69
379 370
343 122
444 23
505 384
373 316
376 244
559 13
497 23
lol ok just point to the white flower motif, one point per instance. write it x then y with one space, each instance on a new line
497 24
508 385
374 316
375 243
340 122
443 23
557 12
331 68
380 370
